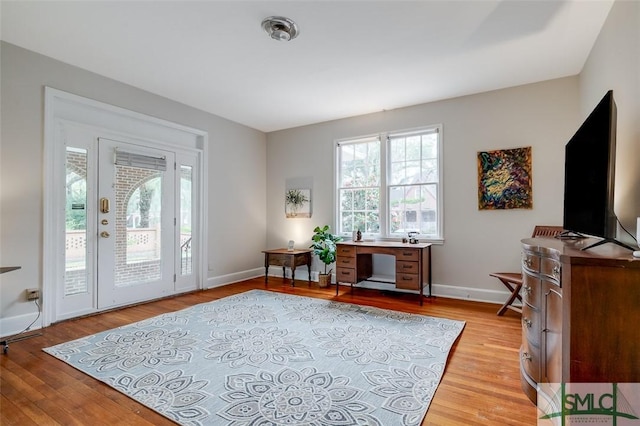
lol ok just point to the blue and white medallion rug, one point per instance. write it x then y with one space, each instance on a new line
264 358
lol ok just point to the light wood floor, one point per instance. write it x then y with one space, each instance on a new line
480 386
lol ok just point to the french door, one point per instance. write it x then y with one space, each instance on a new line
135 221
129 218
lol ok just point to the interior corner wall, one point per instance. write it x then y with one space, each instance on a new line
542 115
614 63
236 174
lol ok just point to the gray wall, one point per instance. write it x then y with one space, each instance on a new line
542 116
614 63
236 164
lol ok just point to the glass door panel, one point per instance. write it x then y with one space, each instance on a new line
186 220
76 278
138 219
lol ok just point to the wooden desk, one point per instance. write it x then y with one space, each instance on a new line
286 258
354 263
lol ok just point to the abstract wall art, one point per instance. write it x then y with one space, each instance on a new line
504 179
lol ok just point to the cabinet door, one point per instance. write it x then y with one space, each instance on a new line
552 334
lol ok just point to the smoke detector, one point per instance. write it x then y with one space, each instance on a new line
280 28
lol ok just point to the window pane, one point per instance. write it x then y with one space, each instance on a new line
414 208
76 222
346 222
359 199
359 193
138 219
372 202
346 199
186 218
430 170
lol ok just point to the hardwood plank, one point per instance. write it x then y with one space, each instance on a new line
480 386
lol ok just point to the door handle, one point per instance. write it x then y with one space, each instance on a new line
104 205
105 234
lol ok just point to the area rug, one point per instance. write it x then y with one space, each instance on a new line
265 358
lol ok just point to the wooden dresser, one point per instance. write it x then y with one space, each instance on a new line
413 263
580 314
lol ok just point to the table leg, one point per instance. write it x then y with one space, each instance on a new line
266 268
293 274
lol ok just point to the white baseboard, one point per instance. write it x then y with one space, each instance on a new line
213 282
14 325
469 293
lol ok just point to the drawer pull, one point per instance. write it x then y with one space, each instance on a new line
526 321
407 266
344 272
406 278
526 357
527 262
556 271
345 261
407 253
526 289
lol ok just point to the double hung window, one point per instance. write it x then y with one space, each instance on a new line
391 184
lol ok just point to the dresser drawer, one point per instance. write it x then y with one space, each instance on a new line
551 269
345 250
346 262
531 324
412 255
530 360
407 281
404 267
530 262
531 290
346 275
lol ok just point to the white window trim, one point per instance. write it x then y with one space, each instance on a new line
384 186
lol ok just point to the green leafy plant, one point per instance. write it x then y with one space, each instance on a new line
324 246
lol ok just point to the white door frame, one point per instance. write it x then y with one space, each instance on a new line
112 122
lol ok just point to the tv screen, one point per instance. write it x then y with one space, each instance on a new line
589 174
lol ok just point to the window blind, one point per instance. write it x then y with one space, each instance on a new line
141 161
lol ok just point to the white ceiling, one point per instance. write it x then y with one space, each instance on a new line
351 57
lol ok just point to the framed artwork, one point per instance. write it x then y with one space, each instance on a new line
504 179
297 203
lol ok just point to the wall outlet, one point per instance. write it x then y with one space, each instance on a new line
33 294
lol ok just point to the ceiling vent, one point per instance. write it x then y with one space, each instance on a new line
280 28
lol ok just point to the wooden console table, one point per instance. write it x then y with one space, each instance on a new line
286 258
354 263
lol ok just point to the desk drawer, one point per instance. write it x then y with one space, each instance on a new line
346 262
404 267
412 255
407 281
346 251
346 275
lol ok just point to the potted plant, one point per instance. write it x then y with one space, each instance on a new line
324 246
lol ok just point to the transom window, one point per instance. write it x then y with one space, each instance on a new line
390 184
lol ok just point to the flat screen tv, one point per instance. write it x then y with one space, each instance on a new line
589 176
